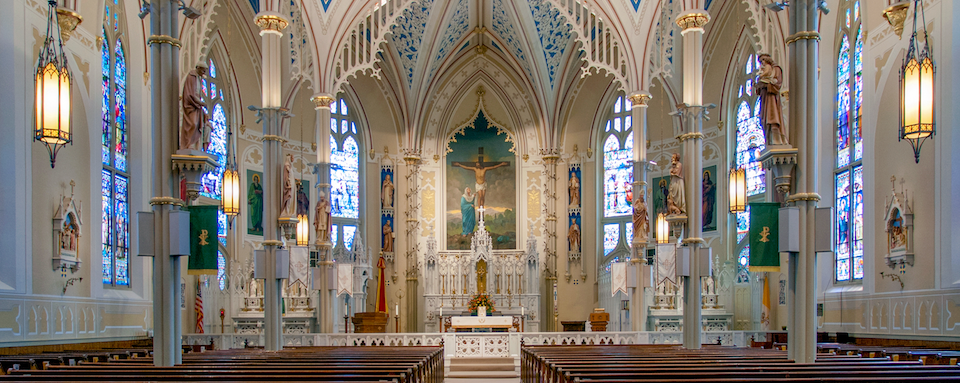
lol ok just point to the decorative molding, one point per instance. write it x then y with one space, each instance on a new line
692 20
895 14
69 21
270 22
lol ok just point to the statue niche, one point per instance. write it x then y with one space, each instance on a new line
67 229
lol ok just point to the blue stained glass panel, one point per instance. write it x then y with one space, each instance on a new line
105 107
122 216
607 128
333 125
353 127
203 87
843 105
843 226
627 123
106 226
616 123
749 87
858 222
120 117
344 177
616 105
333 107
848 18
349 233
343 126
343 107
334 235
750 143
858 97
743 224
618 177
611 236
221 270
743 265
222 227
628 230
213 69
856 10
213 90
211 181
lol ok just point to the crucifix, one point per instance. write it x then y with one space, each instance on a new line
479 169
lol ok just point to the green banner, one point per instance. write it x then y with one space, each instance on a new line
764 236
203 240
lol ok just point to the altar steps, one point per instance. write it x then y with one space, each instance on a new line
483 368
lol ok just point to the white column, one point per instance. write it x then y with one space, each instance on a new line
691 24
548 317
803 45
271 23
638 113
325 304
412 158
165 92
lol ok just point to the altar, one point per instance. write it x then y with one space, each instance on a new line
481 322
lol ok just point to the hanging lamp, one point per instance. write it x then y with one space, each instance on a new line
917 95
53 91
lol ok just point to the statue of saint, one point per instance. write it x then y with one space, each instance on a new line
574 190
387 238
287 194
676 201
321 218
194 118
303 200
767 87
468 211
641 223
255 200
387 190
573 236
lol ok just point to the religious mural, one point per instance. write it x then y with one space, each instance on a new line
481 172
255 202
709 198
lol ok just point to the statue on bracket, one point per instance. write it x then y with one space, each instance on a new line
387 190
767 86
573 236
67 224
321 218
676 200
641 223
574 190
194 117
287 194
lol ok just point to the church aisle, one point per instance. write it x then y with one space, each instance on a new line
481 380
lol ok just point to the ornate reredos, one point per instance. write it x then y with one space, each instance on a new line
479 107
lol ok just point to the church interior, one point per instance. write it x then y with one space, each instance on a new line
666 174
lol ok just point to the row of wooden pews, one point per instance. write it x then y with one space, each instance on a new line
342 364
662 363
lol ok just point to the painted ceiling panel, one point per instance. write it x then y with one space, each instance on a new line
456 28
554 35
407 35
506 27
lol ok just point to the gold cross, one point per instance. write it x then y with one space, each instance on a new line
203 238
764 234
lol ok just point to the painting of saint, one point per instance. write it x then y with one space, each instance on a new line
709 198
303 197
481 171
255 202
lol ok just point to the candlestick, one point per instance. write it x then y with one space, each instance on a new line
397 310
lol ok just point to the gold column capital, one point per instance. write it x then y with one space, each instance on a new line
640 98
271 22
692 20
896 14
322 100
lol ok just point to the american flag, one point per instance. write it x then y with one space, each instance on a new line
198 308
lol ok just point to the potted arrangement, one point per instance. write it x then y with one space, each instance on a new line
480 300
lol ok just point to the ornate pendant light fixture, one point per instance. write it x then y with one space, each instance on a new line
230 187
303 230
917 96
663 229
53 91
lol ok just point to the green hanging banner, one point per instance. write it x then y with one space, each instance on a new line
203 240
764 236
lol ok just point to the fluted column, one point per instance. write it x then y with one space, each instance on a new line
691 24
638 113
324 245
804 46
549 315
412 158
271 24
164 63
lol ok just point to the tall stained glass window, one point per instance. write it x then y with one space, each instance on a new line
617 141
211 90
848 176
114 152
750 141
344 170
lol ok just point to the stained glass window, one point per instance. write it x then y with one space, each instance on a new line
221 258
848 177
210 183
114 153
617 198
344 172
750 142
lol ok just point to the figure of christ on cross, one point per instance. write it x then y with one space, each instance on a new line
480 169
